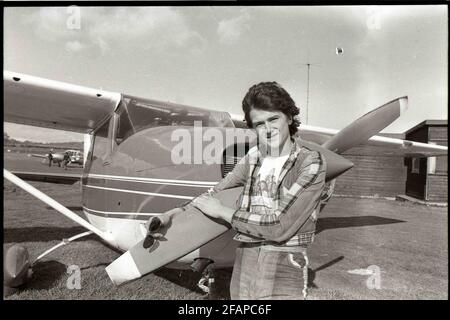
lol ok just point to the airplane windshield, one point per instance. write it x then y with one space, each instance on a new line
136 114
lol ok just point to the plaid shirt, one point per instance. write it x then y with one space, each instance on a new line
301 194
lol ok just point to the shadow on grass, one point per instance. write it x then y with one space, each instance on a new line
188 279
312 272
349 222
42 234
46 275
73 208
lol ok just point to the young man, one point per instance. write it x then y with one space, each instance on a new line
283 189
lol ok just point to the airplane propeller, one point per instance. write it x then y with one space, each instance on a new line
366 126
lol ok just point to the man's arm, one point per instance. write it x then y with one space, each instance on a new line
235 178
296 205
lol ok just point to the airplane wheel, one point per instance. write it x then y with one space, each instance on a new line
16 268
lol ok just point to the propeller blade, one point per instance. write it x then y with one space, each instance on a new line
336 164
366 126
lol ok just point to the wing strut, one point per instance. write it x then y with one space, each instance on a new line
62 243
55 205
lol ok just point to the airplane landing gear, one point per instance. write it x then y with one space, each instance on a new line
207 281
18 267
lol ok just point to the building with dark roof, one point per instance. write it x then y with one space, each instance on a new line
378 174
426 178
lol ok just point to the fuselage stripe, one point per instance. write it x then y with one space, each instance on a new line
131 179
174 181
142 192
112 215
123 213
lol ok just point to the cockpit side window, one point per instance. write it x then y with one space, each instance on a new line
136 114
220 119
124 127
145 115
100 141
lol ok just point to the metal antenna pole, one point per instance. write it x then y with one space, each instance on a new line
307 93
307 87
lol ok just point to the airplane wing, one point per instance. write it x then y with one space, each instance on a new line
52 104
363 130
40 155
61 178
395 147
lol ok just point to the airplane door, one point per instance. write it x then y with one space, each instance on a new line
94 180
120 166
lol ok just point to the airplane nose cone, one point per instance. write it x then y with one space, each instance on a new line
16 267
336 164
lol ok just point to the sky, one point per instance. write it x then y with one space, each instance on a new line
209 56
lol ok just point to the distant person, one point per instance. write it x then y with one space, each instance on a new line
50 158
66 160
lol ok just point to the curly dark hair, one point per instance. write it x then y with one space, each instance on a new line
270 96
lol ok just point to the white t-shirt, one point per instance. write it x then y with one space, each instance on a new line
271 166
267 182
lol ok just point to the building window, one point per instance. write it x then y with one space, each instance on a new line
415 165
431 163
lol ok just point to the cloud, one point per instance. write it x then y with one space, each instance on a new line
230 30
155 28
48 23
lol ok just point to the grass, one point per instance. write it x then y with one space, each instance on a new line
408 242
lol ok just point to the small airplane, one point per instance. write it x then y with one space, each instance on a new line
75 157
129 174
